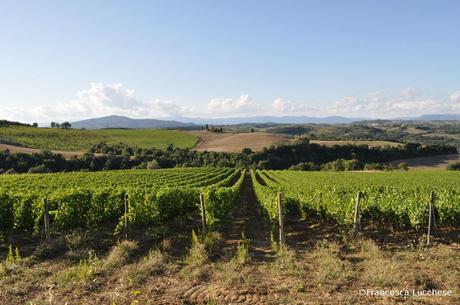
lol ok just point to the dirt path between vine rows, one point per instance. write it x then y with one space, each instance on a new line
248 218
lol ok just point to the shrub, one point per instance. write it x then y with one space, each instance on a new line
153 164
305 166
403 166
40 169
454 166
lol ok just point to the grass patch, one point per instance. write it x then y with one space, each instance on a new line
82 140
242 251
382 269
330 270
234 272
81 274
286 261
119 255
202 247
152 264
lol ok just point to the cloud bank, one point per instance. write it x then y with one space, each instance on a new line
114 99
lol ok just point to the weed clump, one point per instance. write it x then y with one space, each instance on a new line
119 255
330 269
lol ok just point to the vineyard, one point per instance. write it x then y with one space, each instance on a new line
83 200
83 235
397 197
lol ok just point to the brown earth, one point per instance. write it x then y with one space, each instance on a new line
235 142
26 150
435 162
368 143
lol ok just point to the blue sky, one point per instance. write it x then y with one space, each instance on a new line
78 59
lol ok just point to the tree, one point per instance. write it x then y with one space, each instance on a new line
53 125
403 166
454 166
35 125
66 125
246 151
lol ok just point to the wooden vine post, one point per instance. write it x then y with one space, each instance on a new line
281 219
357 215
46 220
203 214
125 228
430 213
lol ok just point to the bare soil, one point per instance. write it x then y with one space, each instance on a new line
235 142
435 162
368 143
26 150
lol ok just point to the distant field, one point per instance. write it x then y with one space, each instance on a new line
235 142
434 162
368 143
82 140
446 135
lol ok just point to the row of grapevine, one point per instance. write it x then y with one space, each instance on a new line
45 183
86 204
398 197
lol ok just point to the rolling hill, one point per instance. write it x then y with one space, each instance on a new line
116 121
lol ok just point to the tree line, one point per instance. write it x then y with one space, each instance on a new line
301 155
63 125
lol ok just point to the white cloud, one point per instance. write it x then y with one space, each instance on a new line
101 99
410 93
455 97
108 99
281 106
35 114
409 102
230 106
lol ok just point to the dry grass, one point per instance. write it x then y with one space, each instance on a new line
330 270
81 274
382 269
350 142
433 162
328 273
151 265
235 142
119 255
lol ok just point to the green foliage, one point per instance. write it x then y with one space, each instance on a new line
454 166
203 245
82 273
242 251
220 200
82 200
399 197
13 257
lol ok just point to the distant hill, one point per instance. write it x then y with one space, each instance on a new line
271 119
423 118
439 117
115 121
